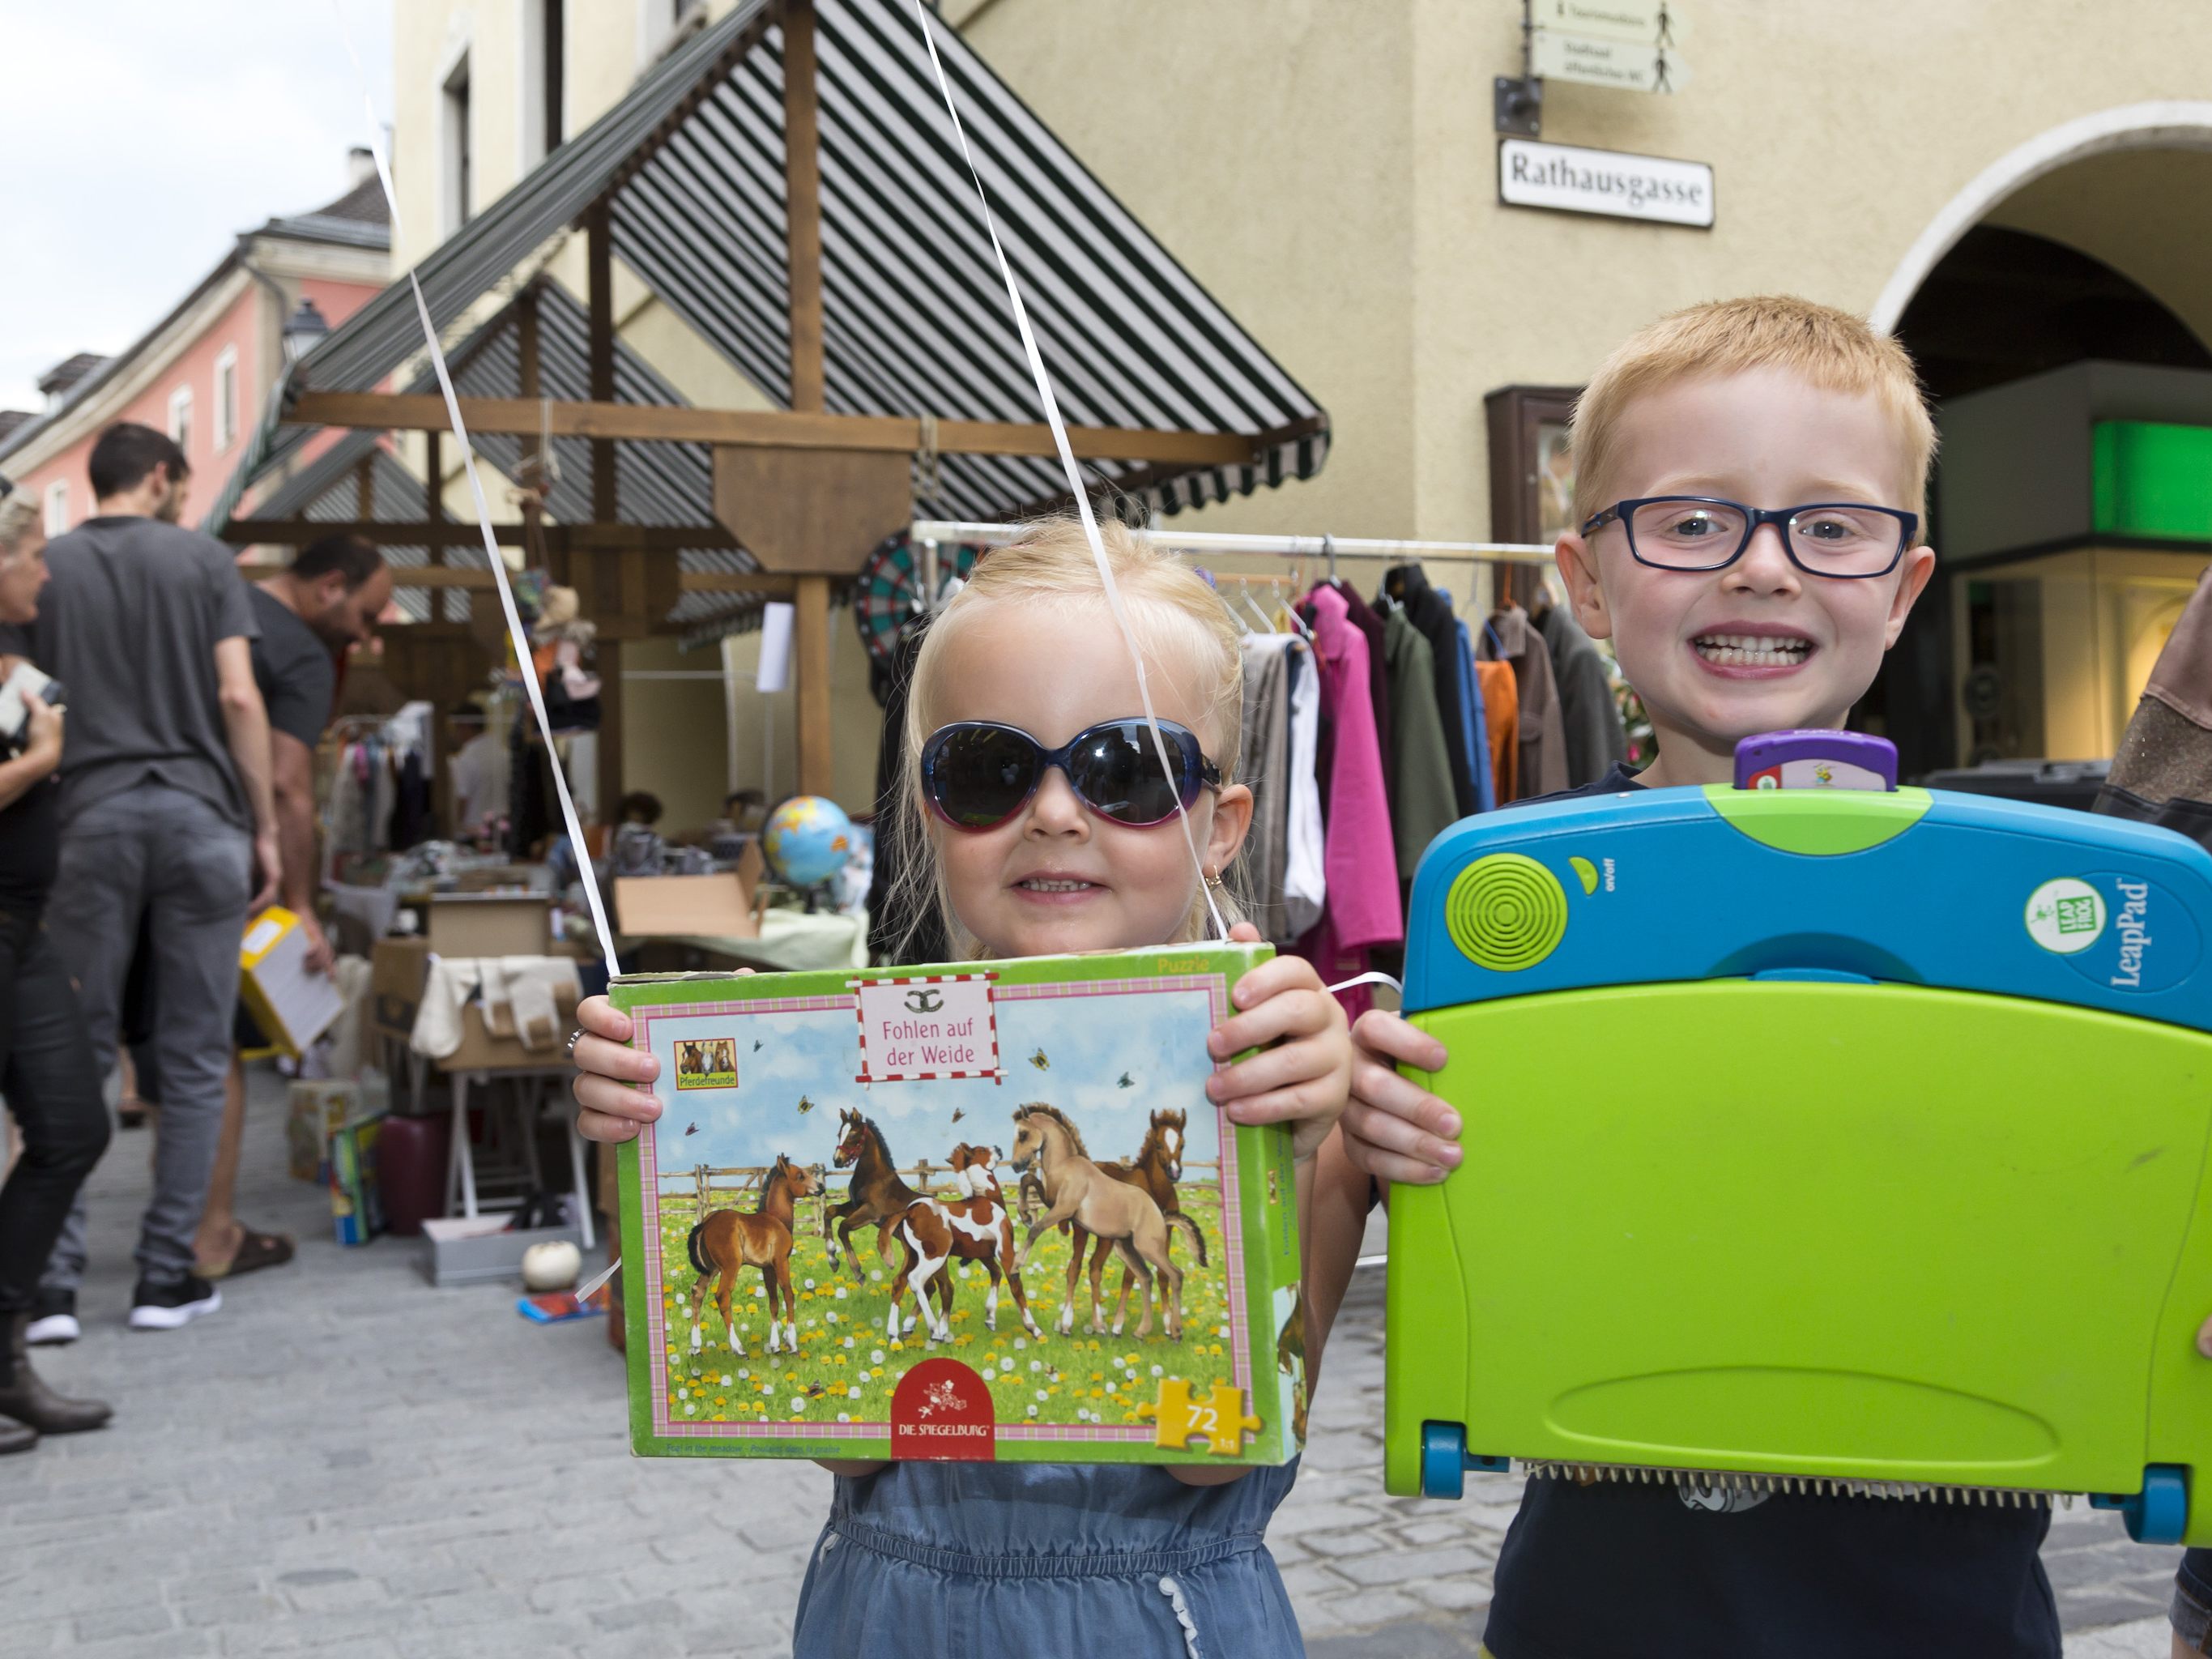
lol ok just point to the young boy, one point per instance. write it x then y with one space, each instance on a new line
1730 622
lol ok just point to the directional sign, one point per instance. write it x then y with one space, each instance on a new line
1601 62
1567 178
1640 22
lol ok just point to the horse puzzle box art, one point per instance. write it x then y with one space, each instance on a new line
983 1211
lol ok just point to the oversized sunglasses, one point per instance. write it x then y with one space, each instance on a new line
976 774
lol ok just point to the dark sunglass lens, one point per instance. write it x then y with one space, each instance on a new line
1117 770
981 775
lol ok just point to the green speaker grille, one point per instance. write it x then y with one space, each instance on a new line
1506 912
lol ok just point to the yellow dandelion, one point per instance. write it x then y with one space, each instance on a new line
1098 1394
1097 1377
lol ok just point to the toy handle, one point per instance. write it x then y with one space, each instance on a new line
1816 759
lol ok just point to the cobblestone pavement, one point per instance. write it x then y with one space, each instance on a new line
347 1463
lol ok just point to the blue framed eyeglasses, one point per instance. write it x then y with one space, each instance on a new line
976 774
1845 540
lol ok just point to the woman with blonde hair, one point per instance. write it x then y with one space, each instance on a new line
46 1061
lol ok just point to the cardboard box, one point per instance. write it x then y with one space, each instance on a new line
457 1250
503 879
724 905
292 1006
491 924
321 1107
801 1097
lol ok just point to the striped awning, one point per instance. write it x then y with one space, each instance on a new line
914 321
656 484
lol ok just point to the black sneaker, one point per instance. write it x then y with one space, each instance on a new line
54 1319
165 1306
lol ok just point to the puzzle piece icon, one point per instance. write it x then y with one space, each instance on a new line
1220 1420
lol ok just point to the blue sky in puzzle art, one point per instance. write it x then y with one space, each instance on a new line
1156 1037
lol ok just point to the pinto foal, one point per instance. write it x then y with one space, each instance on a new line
934 1233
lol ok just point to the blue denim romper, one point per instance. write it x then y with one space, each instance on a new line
924 1559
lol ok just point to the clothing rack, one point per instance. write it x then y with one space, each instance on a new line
1326 548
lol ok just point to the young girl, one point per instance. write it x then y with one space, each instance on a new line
1033 850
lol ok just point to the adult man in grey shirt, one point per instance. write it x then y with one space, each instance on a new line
167 810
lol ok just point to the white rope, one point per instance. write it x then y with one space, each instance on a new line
492 554
1067 464
1173 1591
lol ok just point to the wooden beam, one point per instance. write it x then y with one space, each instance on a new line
608 669
473 578
802 198
434 508
653 538
599 349
766 428
720 70
812 626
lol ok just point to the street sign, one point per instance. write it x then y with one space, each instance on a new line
1599 61
1639 22
1567 178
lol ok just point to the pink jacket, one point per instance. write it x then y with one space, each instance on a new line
1359 862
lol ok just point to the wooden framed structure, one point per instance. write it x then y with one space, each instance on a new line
785 185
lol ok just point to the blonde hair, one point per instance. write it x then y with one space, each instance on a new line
1189 640
1834 350
18 513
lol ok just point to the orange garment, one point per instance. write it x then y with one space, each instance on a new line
1501 714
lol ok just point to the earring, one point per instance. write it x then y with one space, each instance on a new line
1213 880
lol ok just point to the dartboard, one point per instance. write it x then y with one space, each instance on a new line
888 593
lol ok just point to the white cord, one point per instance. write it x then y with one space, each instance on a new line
1068 465
1173 1591
492 554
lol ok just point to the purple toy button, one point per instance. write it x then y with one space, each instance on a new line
1815 760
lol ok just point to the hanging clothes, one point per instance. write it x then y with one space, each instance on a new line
1478 747
1305 880
1501 707
1361 909
1419 769
1543 767
1430 611
1363 617
1597 741
1265 763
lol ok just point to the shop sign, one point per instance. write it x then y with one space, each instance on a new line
1568 179
1602 61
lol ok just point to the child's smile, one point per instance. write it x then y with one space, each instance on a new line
1057 876
1760 644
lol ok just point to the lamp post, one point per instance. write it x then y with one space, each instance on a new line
304 331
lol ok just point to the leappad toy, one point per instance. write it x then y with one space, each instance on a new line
1816 1138
862 1225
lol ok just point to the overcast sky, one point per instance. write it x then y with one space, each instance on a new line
138 137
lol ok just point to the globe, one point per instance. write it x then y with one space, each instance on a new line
807 839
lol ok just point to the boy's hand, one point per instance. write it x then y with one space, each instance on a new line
605 1067
1303 1079
1394 1128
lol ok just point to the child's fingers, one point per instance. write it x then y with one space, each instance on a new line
1312 1108
1271 979
610 1098
1389 1132
597 1056
1278 1068
1390 1166
1244 933
601 1018
1389 1034
598 1126
1289 1014
1393 1092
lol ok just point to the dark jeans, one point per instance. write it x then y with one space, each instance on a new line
53 1093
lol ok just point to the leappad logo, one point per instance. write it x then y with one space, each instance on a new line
2133 927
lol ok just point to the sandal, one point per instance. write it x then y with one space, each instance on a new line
255 1251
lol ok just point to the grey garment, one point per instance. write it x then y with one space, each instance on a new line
1596 742
129 624
1264 761
165 852
1543 738
294 669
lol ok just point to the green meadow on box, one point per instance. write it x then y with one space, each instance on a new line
982 1211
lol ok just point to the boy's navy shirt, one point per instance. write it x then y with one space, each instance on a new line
1687 1572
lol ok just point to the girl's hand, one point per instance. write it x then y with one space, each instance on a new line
606 1067
1305 1077
1394 1128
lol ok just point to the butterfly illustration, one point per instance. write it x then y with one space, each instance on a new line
805 1105
757 1044
1038 1060
692 1129
959 1112
1126 1082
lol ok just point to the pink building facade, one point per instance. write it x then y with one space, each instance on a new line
203 374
